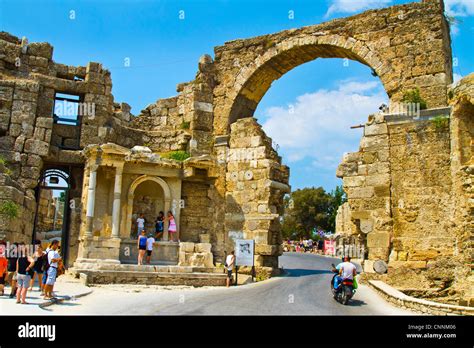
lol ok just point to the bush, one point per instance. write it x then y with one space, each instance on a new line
440 122
6 170
176 155
9 209
185 125
413 96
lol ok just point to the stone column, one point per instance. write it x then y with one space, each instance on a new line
91 200
117 202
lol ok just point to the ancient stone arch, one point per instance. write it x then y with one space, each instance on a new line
130 195
290 53
156 179
406 46
409 185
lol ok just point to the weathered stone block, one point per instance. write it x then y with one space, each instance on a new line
369 266
205 238
361 192
347 169
354 181
375 129
407 264
378 240
202 247
423 255
36 147
44 122
366 225
40 49
374 142
402 256
186 247
382 191
378 180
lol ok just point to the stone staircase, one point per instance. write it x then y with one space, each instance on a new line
151 275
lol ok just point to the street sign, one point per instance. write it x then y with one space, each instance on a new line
330 247
244 252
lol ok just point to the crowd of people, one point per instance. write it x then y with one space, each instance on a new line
146 240
304 245
19 267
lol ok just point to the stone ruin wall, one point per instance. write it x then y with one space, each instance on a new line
30 140
412 207
256 182
461 100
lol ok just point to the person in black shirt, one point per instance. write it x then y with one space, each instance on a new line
40 259
24 269
11 278
159 225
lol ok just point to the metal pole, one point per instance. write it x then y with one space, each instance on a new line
65 231
236 274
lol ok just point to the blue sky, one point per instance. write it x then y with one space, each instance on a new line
307 112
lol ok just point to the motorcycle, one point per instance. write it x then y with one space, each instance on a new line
344 291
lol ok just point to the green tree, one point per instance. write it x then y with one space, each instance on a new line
338 197
309 208
62 196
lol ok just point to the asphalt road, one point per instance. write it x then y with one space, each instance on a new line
304 290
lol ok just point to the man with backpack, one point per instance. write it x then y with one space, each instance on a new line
52 264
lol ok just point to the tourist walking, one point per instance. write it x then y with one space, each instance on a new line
159 225
52 269
172 229
45 270
140 224
3 268
141 243
40 259
229 264
149 247
24 270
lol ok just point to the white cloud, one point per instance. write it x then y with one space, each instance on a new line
316 127
459 8
351 6
357 87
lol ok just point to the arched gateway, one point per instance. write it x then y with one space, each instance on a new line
406 46
407 200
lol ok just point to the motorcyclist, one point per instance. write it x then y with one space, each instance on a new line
346 269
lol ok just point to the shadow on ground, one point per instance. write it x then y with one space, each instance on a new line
296 272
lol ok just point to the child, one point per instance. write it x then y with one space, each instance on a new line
149 248
172 227
141 247
140 224
159 225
